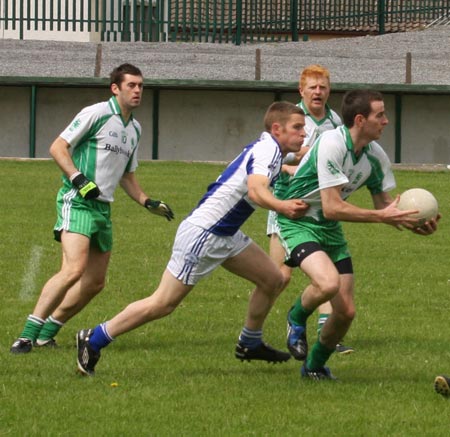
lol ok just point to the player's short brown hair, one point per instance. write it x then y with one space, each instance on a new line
117 76
357 102
279 112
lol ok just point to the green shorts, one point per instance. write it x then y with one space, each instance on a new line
328 234
87 217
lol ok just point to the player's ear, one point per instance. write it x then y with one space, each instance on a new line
276 129
359 118
115 89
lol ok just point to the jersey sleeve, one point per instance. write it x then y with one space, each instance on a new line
265 159
133 161
81 126
331 151
381 179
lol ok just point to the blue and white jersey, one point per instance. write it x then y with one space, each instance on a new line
226 206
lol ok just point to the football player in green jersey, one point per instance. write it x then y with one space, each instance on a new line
96 153
314 88
340 162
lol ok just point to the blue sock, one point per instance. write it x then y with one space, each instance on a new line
100 338
249 338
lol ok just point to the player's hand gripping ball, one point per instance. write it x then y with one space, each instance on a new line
158 207
421 200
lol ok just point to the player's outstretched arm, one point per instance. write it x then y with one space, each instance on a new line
260 193
335 208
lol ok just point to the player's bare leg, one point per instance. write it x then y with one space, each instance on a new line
75 253
324 285
333 331
325 311
278 255
78 296
161 303
254 264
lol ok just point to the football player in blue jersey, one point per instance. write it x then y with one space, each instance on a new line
210 236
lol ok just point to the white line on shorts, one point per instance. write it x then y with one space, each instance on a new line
29 278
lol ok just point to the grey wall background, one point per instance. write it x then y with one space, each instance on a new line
211 125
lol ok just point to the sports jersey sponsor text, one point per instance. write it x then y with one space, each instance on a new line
117 150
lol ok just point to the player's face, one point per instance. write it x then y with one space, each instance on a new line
315 93
291 135
129 93
375 123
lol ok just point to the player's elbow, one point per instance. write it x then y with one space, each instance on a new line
56 147
254 196
330 213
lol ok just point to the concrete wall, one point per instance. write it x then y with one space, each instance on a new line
210 125
216 125
50 35
426 129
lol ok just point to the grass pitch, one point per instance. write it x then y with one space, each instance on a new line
178 376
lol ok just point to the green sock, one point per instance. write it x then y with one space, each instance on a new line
318 356
298 314
50 329
32 327
321 321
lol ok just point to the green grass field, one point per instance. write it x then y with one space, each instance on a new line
178 376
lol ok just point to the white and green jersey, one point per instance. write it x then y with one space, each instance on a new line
103 146
314 127
332 162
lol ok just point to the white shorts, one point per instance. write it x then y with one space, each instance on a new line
197 252
272 224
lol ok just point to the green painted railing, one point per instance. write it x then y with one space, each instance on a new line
221 21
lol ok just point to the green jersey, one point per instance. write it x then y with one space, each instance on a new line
313 128
332 162
103 146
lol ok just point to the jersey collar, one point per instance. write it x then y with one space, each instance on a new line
328 115
351 147
115 108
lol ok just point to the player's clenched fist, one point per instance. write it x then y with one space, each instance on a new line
158 207
294 208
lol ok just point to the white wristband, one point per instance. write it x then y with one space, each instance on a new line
74 175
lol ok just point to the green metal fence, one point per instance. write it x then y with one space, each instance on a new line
220 21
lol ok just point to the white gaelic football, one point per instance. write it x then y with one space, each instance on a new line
421 200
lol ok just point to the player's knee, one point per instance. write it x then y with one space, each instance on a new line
346 314
350 313
272 284
97 286
72 274
328 290
278 283
162 308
